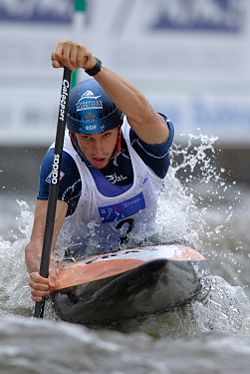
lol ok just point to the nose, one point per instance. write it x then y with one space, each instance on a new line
97 149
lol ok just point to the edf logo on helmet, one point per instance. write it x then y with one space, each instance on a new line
91 127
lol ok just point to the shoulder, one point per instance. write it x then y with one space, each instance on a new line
155 156
69 176
156 150
67 163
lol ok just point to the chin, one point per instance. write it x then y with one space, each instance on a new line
100 165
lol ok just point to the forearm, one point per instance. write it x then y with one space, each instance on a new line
33 251
33 256
125 96
146 123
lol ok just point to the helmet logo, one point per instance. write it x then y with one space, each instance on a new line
89 117
89 101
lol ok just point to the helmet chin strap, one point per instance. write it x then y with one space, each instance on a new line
117 149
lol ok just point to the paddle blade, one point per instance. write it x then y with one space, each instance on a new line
39 309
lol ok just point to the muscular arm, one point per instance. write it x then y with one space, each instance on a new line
147 124
40 287
34 248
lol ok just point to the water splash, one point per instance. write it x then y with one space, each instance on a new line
15 292
196 205
225 310
177 212
195 189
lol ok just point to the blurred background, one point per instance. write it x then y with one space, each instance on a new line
191 58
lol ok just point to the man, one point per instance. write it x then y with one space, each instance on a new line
114 161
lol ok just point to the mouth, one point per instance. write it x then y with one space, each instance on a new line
98 161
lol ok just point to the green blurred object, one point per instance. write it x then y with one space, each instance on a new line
74 79
80 9
80 5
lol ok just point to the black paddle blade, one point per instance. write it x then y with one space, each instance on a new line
39 309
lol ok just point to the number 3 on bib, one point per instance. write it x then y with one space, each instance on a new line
125 226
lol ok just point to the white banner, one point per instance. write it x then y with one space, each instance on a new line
190 58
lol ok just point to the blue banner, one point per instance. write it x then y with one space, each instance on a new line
197 15
53 11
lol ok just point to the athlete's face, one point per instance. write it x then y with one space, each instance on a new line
98 148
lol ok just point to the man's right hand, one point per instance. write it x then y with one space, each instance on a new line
73 56
40 286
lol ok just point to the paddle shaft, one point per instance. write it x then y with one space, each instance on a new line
54 185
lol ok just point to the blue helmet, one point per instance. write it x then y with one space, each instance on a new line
90 109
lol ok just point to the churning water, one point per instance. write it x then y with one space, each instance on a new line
197 204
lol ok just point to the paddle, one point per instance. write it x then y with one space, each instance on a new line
54 185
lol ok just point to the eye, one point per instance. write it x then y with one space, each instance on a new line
86 138
107 134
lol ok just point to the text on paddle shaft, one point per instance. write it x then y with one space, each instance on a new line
63 100
55 169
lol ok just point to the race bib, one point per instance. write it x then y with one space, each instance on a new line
123 209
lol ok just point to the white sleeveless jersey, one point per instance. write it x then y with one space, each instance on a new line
99 221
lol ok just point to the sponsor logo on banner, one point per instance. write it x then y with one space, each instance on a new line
89 101
216 15
60 11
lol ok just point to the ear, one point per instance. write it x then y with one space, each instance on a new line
72 136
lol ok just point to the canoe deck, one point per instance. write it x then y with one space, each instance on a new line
164 276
